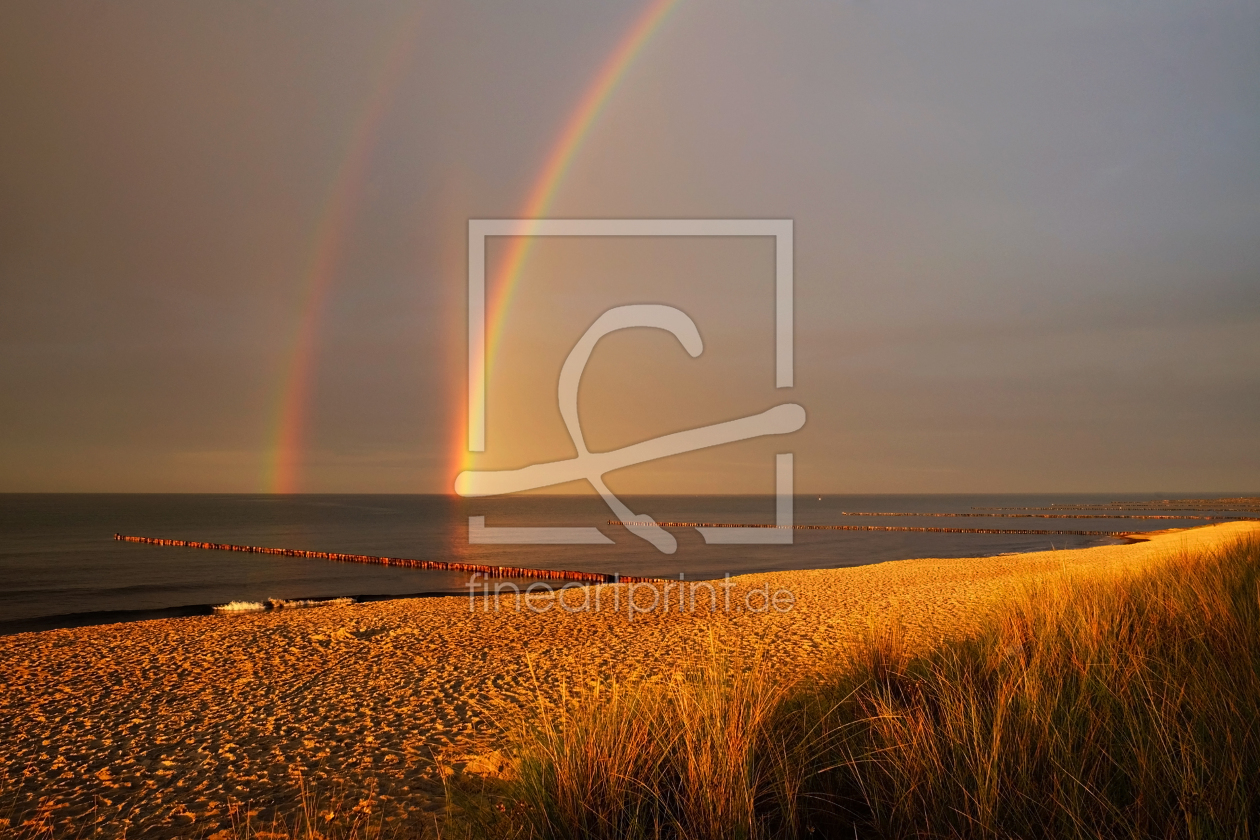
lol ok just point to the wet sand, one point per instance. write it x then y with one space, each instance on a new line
177 727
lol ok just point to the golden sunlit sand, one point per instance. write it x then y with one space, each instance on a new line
177 727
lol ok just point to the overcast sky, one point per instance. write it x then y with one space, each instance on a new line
1027 239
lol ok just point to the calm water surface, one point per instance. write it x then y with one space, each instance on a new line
60 566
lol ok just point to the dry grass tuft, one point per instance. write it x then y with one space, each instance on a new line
1123 708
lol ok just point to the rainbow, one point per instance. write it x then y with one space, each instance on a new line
289 424
290 415
559 159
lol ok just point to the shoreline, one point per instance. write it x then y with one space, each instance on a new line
99 618
105 618
157 728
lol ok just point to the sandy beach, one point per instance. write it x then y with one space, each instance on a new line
180 726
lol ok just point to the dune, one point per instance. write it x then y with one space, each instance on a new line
183 725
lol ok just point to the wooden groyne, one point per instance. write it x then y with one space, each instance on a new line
400 562
1238 504
1048 515
1124 534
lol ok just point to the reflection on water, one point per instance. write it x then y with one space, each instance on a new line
58 557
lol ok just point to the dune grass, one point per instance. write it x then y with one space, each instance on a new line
1122 707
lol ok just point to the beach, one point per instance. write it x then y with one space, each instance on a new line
183 727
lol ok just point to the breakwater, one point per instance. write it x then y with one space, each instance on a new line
1047 515
1238 504
400 562
1124 534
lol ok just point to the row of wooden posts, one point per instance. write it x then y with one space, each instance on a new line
1047 515
885 528
1239 505
401 562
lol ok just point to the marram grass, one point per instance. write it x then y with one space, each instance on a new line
1124 707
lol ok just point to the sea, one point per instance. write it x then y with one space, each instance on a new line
60 565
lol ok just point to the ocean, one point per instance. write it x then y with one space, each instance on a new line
60 565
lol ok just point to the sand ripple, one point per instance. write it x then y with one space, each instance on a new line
176 727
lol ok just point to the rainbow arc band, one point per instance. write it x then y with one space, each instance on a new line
563 152
591 467
782 419
480 333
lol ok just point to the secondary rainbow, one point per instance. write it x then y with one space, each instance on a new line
563 151
290 414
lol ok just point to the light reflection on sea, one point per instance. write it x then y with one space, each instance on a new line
58 559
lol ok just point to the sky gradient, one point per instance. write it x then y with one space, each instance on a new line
1027 241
